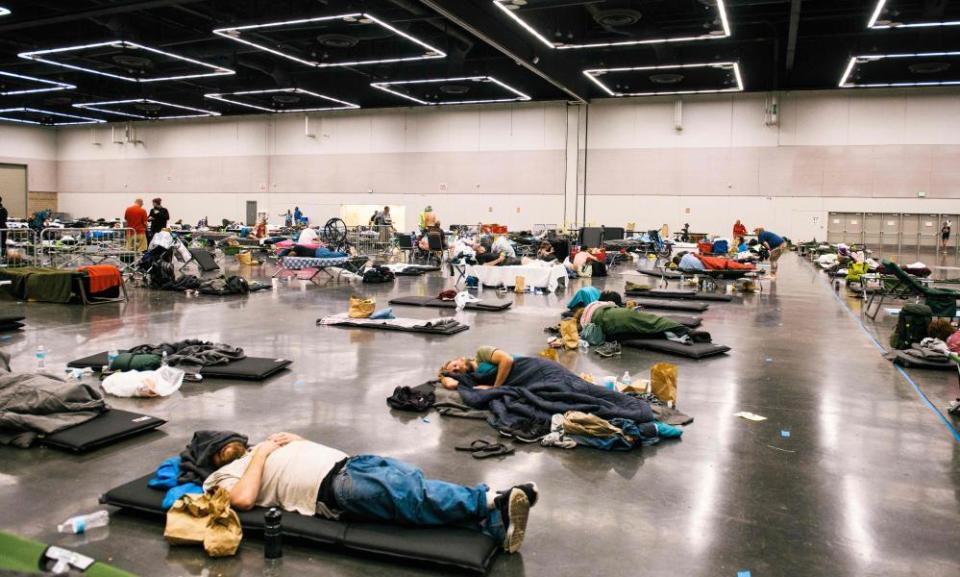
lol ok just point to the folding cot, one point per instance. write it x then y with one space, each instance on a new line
677 294
52 285
943 302
451 547
291 265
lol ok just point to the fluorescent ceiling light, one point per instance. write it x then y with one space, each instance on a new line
48 85
505 6
867 58
109 107
595 75
236 34
386 87
877 24
223 97
44 56
4 11
70 118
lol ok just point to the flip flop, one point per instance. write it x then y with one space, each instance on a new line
477 445
495 450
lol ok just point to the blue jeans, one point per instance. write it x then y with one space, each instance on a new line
384 489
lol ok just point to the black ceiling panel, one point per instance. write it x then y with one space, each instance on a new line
363 53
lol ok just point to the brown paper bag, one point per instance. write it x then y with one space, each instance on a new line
223 535
187 520
519 285
569 333
361 308
663 382
551 354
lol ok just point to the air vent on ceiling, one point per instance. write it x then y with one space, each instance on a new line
617 18
456 89
929 67
148 107
286 98
133 62
337 40
665 78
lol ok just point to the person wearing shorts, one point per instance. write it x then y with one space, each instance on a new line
774 243
945 234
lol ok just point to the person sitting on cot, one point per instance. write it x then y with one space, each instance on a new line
489 364
546 253
488 257
308 478
580 263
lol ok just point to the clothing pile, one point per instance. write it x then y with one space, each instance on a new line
417 399
930 349
32 405
575 428
192 352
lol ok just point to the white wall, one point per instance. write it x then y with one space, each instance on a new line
833 151
496 164
34 147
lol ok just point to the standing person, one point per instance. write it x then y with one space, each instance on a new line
945 234
429 219
384 223
297 216
739 229
3 229
774 243
159 217
136 218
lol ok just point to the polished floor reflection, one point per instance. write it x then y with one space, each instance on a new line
849 475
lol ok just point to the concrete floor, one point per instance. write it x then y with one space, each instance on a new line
867 483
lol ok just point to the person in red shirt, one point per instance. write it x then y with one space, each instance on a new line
136 218
739 229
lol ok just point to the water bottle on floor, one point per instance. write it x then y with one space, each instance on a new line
41 357
626 380
163 359
81 523
584 346
272 540
112 356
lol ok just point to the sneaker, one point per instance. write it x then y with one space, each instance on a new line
530 490
607 350
514 507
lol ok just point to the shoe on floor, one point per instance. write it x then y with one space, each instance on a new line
514 507
529 489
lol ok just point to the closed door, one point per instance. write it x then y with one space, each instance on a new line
872 229
929 232
853 231
890 238
910 230
13 189
251 213
835 227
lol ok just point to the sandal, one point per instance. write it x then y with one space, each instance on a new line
484 449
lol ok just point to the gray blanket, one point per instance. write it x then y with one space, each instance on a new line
193 352
32 405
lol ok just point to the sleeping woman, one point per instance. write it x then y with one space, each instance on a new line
491 367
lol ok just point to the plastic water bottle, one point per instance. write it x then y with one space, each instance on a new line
81 523
272 539
626 380
41 357
163 359
112 356
584 346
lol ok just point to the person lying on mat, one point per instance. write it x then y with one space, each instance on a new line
688 261
308 478
488 361
620 323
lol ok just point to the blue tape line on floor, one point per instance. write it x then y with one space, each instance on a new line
923 397
743 574
785 434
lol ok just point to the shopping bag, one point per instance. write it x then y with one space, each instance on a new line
187 520
361 308
663 382
223 533
519 285
569 333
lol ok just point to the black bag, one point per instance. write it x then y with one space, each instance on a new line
417 399
911 326
378 274
599 268
237 285
186 282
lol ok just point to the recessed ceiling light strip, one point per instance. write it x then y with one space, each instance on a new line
4 11
503 5
223 98
385 86
235 35
100 107
594 73
878 10
40 56
73 119
866 58
51 85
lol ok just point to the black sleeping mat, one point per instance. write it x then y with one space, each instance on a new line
912 362
448 546
679 294
445 330
693 351
246 369
109 427
11 322
685 320
669 274
440 304
416 270
667 305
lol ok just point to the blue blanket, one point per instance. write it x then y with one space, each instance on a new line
539 388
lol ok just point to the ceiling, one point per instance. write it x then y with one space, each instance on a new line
62 61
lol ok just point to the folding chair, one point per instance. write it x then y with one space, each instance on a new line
435 246
405 244
943 302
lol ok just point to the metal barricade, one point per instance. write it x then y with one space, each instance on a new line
372 241
73 247
18 247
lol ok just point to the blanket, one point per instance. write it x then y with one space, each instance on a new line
193 352
102 277
39 284
722 263
41 404
539 388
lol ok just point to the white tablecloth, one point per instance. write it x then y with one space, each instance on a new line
534 276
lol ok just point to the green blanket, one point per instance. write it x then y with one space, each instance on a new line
48 285
618 322
24 555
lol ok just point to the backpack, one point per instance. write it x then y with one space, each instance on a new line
378 274
911 326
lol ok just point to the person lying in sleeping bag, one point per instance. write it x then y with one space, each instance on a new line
620 323
491 366
308 478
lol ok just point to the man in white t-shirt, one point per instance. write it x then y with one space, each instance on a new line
297 475
308 236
